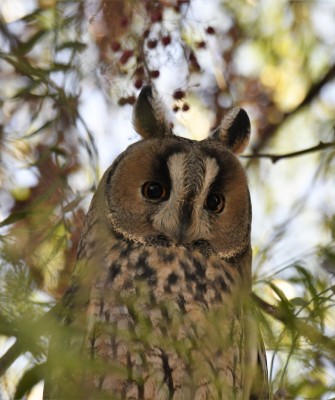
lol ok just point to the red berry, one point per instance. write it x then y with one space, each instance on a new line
152 43
125 56
156 16
115 46
122 101
178 94
210 30
201 45
131 100
124 22
146 33
138 83
127 100
154 73
166 40
186 107
139 70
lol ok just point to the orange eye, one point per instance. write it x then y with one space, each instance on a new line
215 203
154 191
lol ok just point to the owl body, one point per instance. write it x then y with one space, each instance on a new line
175 305
163 274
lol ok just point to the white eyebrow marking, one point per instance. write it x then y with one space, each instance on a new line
167 218
212 169
176 164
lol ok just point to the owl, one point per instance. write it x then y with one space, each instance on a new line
159 304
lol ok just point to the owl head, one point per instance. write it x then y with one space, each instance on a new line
170 191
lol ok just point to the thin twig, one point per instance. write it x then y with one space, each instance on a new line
276 157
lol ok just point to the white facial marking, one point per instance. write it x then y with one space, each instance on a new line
200 228
167 219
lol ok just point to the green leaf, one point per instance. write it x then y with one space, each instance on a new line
32 17
60 67
299 301
27 46
79 46
14 217
309 281
40 129
26 91
23 67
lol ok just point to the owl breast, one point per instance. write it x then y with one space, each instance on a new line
163 313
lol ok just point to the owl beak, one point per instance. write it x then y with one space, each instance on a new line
182 236
185 218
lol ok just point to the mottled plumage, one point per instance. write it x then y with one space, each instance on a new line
157 306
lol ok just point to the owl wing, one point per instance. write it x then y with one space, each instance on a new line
255 386
260 388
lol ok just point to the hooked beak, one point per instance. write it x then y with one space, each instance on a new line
186 212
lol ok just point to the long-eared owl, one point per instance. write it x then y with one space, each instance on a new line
157 307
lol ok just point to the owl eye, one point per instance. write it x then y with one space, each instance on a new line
154 191
215 203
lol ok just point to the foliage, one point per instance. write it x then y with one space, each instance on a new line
274 60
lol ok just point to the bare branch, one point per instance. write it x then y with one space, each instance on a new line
276 157
314 90
9 357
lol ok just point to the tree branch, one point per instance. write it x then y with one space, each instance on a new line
312 93
9 357
276 157
303 328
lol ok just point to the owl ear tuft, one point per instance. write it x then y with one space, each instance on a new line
234 130
149 115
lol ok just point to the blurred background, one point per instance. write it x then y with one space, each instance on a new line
70 72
